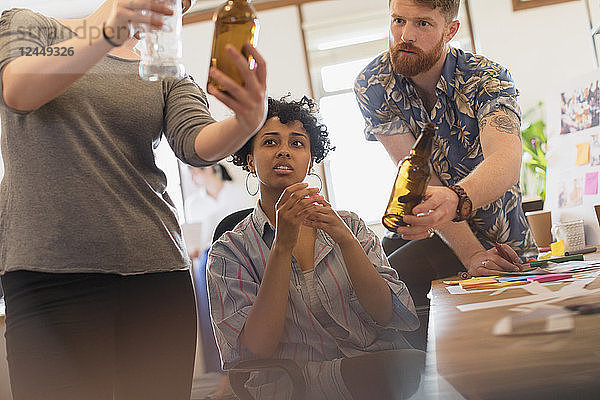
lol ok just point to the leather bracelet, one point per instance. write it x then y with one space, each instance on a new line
464 208
113 44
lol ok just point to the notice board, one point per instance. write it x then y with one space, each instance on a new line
573 153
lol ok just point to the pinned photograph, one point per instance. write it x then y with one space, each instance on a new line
580 108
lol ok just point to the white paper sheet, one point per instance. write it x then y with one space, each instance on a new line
541 319
563 294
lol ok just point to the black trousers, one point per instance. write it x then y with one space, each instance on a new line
389 374
419 262
100 336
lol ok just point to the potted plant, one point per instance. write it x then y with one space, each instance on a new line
534 150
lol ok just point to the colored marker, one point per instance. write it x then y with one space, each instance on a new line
592 308
514 278
576 257
582 251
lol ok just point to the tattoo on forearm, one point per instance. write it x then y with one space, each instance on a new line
504 122
483 123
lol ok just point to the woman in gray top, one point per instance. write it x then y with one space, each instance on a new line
99 302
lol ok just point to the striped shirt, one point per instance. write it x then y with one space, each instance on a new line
237 263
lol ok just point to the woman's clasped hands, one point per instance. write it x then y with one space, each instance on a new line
300 205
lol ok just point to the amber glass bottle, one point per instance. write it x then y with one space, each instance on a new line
236 24
411 180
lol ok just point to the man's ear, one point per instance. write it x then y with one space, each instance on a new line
452 30
250 161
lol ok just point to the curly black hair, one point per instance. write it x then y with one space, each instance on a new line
304 110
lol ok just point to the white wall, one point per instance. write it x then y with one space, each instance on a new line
542 46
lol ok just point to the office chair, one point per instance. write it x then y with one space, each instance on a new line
230 221
239 373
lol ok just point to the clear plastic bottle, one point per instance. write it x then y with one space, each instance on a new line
161 49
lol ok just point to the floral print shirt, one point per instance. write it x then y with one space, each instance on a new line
470 88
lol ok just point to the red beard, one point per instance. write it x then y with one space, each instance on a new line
414 64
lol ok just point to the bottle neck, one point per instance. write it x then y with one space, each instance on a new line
243 6
423 146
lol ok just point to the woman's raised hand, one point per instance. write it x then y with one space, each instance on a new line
294 205
248 102
128 13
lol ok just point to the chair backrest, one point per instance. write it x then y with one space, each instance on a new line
230 221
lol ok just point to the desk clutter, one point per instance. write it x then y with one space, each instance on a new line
556 280
563 269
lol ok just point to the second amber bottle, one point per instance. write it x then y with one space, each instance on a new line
411 181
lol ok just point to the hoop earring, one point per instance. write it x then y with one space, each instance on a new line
247 188
319 179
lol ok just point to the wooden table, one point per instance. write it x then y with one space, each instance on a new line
480 365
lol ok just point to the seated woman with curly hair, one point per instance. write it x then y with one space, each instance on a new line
298 280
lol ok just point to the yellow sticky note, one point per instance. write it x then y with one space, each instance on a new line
583 153
474 283
558 248
470 280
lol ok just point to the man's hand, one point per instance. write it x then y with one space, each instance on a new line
490 262
438 209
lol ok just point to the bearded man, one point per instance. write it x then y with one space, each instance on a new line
473 200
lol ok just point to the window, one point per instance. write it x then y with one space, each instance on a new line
360 174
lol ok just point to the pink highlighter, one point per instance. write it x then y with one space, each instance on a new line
549 277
